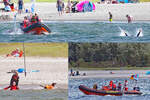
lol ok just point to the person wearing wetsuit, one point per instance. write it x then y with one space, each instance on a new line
15 78
139 33
126 34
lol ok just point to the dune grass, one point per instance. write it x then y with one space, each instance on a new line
37 49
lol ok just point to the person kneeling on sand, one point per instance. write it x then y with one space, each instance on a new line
12 87
49 87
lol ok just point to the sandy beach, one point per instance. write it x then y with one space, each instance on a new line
116 74
50 70
48 12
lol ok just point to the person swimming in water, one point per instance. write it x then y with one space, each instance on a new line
49 87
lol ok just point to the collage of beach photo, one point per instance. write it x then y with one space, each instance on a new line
74 49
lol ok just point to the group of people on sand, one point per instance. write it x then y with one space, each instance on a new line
30 20
76 73
10 6
116 1
129 18
15 53
112 86
70 7
15 81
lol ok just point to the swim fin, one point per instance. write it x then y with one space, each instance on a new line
126 34
138 34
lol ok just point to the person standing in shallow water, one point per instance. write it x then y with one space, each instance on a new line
59 7
110 17
129 18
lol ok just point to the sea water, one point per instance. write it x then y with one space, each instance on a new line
80 31
29 94
75 94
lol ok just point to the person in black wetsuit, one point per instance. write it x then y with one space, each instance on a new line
139 33
14 78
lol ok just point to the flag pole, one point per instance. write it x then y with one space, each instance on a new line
25 73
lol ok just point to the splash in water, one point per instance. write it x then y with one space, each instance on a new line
18 31
139 32
15 22
123 32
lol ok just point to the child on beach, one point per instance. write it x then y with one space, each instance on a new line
20 6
